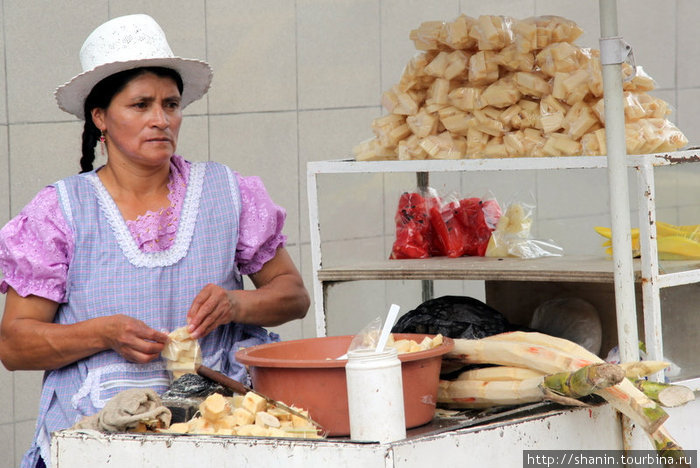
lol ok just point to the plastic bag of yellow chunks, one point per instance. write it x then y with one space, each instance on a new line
404 345
368 338
245 415
496 86
513 237
672 242
182 354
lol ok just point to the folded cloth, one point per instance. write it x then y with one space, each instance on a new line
132 410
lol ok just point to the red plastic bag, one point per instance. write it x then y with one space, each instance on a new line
413 230
479 218
450 233
428 226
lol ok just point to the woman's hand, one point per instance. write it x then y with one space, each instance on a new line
29 340
212 307
280 296
133 339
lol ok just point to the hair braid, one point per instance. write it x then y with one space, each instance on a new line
91 135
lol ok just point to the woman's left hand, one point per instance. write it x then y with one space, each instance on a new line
279 296
212 307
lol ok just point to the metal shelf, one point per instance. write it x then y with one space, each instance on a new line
346 166
568 268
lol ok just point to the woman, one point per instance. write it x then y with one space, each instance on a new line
100 266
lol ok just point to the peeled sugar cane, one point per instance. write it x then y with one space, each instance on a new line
469 391
245 415
550 354
497 86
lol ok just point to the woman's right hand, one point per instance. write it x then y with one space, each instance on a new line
133 339
29 340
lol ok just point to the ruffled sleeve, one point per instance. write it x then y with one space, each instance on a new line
35 249
261 223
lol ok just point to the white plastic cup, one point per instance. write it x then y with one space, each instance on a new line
375 395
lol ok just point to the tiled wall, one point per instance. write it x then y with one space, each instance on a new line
298 81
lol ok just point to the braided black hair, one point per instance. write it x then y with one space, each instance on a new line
100 98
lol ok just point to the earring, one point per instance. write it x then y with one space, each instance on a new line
102 143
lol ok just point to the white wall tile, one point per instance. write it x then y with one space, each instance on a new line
43 41
687 114
26 394
666 185
7 446
353 305
3 77
571 193
574 234
39 155
331 134
653 51
24 435
338 53
193 141
7 379
4 176
263 145
518 9
687 53
251 46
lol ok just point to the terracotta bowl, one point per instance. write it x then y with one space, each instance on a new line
305 373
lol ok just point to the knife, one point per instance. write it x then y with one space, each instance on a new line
242 389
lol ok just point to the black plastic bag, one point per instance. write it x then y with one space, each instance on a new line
193 386
454 317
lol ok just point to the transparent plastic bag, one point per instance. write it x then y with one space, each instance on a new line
182 354
368 337
512 236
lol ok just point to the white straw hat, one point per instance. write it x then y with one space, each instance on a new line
124 43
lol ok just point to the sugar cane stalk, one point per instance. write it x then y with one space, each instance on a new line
550 355
563 387
667 448
666 395
639 369
584 381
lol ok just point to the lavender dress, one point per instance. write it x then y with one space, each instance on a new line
112 267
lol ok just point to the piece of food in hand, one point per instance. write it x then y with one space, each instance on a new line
182 353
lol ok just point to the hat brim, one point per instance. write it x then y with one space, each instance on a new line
196 78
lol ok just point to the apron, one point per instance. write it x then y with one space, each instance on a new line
109 274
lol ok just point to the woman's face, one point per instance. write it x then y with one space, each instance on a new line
142 122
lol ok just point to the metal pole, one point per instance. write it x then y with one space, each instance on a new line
611 59
627 333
